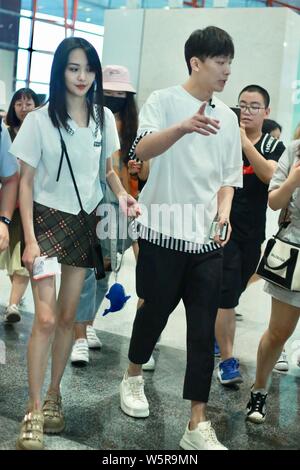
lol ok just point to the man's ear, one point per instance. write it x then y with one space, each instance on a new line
194 62
268 110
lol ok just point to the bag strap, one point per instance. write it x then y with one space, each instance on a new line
283 265
282 226
64 152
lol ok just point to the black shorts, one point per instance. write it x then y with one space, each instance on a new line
239 264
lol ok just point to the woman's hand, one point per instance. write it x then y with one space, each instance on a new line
294 176
129 205
134 167
32 251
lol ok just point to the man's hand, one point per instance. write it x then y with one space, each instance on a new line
244 139
4 236
200 123
221 222
129 205
32 251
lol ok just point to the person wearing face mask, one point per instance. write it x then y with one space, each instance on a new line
119 98
23 101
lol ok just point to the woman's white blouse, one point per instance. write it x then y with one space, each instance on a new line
38 144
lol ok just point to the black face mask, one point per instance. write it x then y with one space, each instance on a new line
115 104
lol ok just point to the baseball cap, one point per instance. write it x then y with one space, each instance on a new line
116 78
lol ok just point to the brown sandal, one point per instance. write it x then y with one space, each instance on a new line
54 421
31 434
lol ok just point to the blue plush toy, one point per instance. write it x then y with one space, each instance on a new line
117 297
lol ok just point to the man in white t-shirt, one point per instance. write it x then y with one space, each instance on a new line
9 182
193 142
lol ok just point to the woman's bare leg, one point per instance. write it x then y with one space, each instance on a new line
72 279
44 295
282 324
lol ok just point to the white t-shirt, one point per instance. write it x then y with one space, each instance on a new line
191 172
38 144
8 163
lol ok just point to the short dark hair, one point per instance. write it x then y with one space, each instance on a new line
258 89
57 96
270 125
11 118
208 42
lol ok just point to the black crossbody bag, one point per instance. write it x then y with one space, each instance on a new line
95 247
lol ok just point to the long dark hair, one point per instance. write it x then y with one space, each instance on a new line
57 97
129 118
11 118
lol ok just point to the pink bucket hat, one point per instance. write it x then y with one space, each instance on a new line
116 78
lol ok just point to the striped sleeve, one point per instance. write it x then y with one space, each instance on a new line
131 153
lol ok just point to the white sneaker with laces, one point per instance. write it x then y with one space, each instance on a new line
201 438
12 314
282 364
80 352
133 400
92 338
150 365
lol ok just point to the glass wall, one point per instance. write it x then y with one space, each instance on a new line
30 31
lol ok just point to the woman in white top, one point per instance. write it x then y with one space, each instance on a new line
284 193
53 223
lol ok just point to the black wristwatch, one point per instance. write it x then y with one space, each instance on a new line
5 220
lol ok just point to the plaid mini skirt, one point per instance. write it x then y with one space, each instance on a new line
66 236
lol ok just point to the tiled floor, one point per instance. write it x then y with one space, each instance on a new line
90 395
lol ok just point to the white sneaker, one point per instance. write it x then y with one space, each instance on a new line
282 364
150 365
133 400
201 438
92 338
12 314
80 352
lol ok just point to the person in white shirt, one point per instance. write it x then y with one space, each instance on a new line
194 146
9 186
55 224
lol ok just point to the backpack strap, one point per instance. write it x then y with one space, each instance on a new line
268 145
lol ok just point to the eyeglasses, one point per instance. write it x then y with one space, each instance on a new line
253 109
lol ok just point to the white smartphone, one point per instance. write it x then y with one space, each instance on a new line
215 230
45 267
